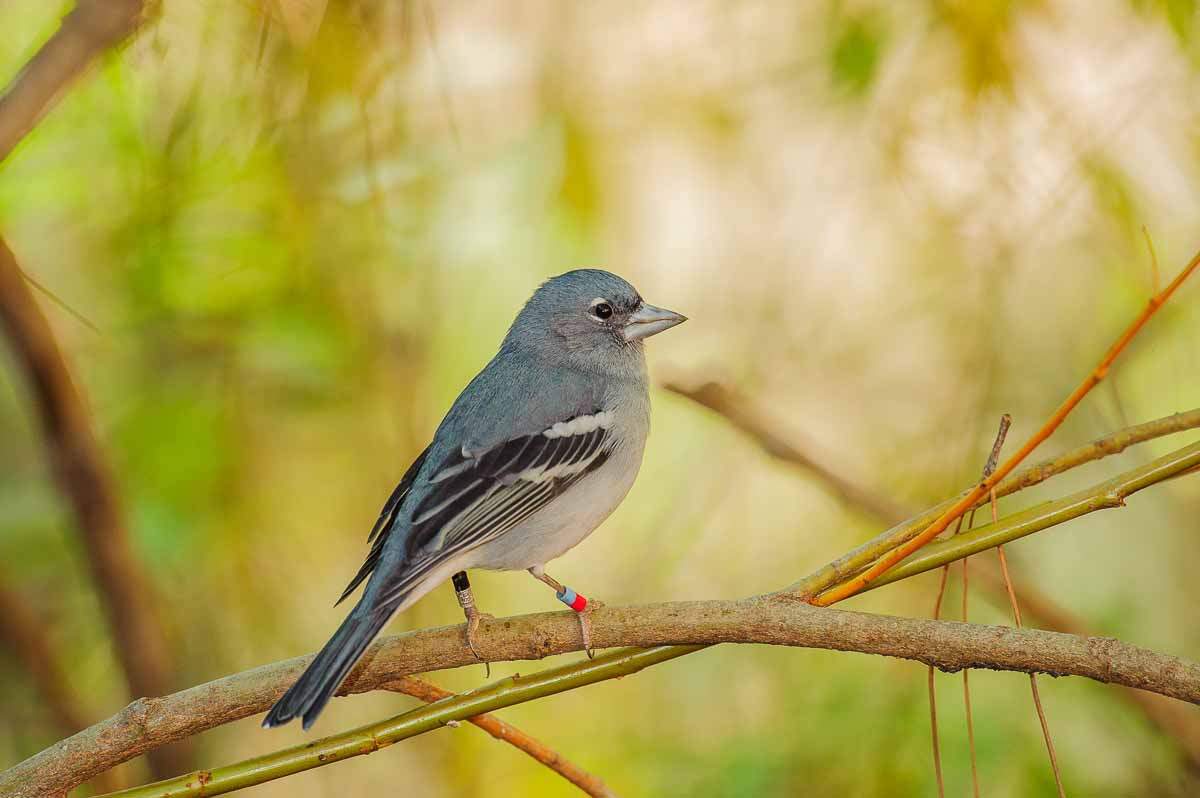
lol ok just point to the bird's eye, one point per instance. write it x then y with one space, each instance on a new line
602 310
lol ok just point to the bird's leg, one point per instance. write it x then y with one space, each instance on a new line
462 591
575 601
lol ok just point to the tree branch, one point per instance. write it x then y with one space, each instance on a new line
683 626
1109 494
90 29
751 420
1179 723
506 732
784 620
863 556
743 414
84 477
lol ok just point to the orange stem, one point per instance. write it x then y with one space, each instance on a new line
505 732
885 563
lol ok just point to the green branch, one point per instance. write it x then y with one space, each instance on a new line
862 557
369 739
1106 495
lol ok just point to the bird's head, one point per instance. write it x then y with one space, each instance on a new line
589 317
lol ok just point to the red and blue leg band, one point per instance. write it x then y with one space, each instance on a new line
572 599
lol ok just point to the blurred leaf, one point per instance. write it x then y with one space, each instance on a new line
1180 14
857 50
174 454
298 348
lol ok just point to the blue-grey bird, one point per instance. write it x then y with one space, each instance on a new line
534 454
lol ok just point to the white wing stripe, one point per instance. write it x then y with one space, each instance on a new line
453 470
564 467
484 511
580 425
506 516
485 520
432 511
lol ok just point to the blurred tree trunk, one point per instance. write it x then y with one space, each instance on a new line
86 481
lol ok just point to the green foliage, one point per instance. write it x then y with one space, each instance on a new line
859 44
1180 15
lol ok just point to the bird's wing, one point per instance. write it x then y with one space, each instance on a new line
384 524
475 496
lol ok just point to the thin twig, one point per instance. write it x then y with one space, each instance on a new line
1153 260
859 582
989 467
1033 685
506 732
149 723
53 297
1109 494
929 679
966 678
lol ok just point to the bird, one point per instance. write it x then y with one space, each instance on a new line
539 449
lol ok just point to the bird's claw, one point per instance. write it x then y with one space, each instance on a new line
473 618
585 627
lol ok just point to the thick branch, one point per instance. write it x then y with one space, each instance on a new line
89 30
86 481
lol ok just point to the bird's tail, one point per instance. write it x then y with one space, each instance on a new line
312 691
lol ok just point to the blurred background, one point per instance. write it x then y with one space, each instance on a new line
280 239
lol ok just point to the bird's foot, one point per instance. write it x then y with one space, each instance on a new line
474 616
583 608
575 601
466 600
585 627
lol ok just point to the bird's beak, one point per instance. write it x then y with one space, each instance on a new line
648 320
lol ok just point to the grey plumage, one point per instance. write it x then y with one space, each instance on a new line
535 453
